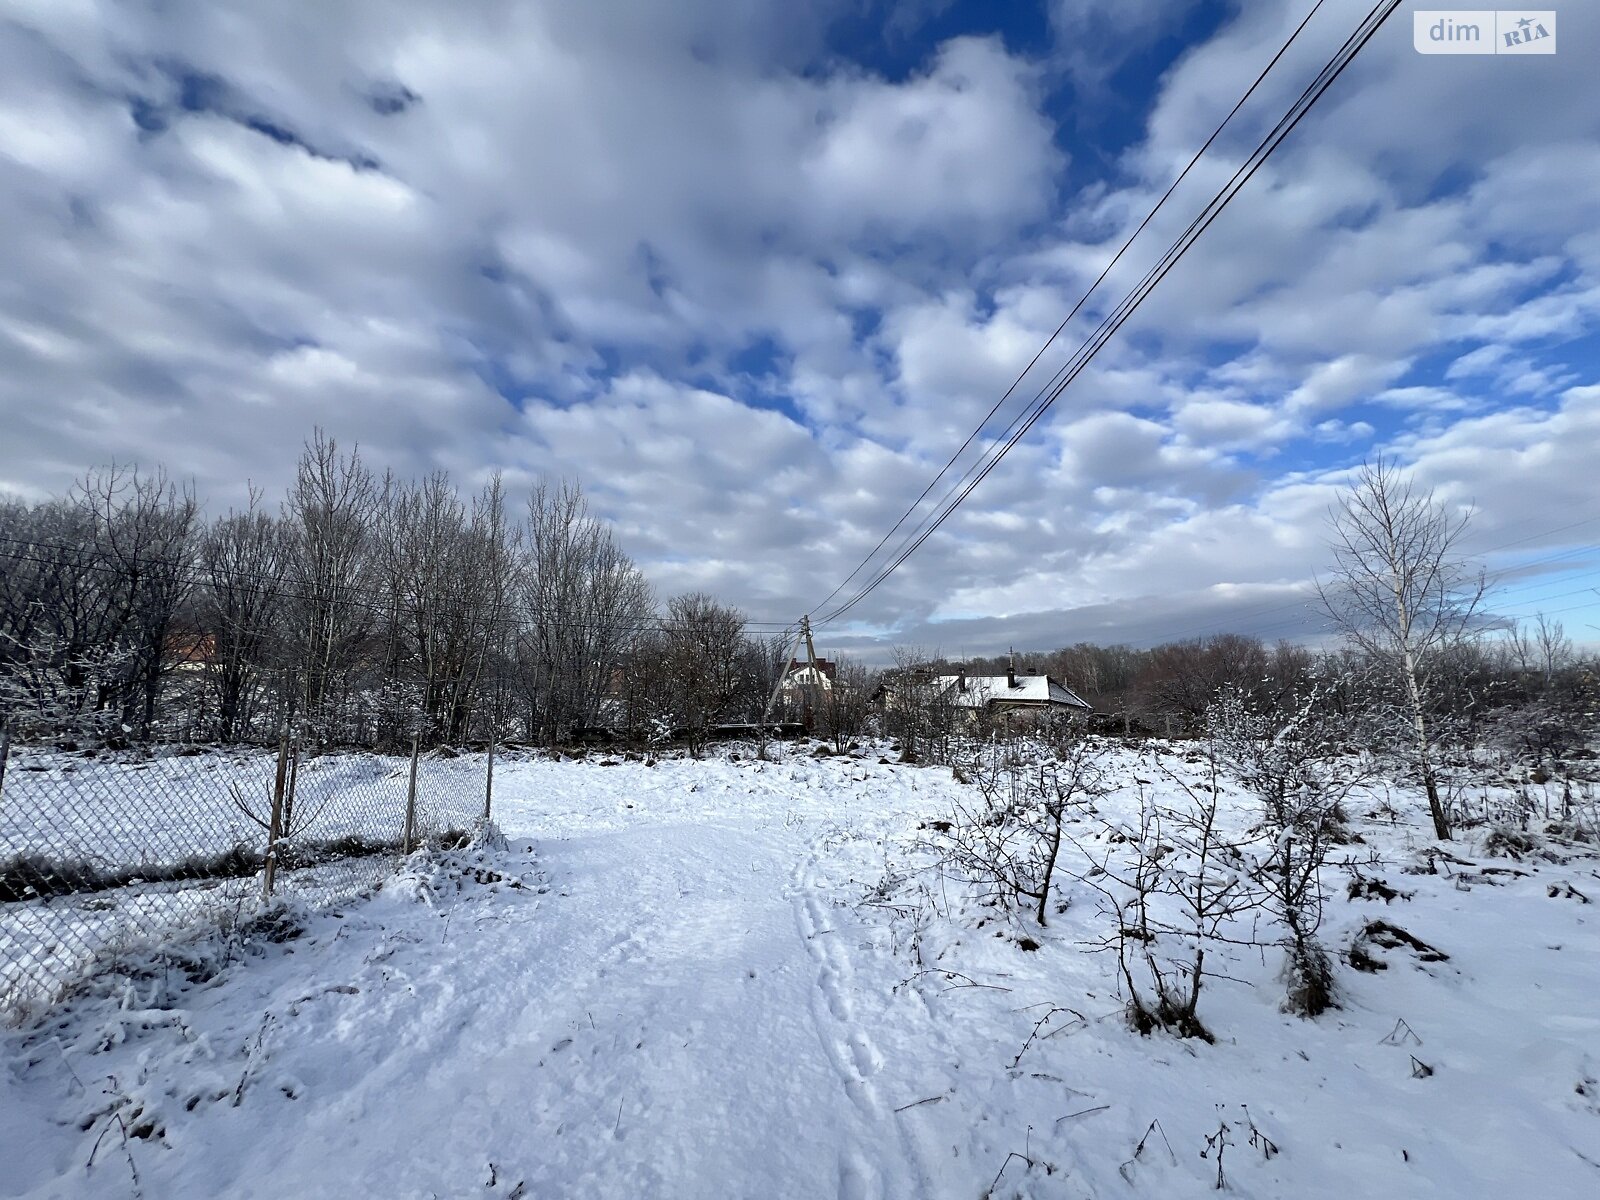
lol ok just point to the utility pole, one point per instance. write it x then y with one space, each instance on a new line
814 686
783 677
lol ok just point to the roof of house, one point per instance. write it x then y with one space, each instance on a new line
981 690
825 665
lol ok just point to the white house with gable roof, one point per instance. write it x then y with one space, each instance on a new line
1009 693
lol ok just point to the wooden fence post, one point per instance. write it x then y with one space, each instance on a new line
275 825
488 783
411 803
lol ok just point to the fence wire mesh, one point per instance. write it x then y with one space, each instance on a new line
108 850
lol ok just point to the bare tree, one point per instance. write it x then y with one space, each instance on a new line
1517 651
92 586
496 570
584 603
1403 593
1552 645
242 560
1181 679
917 709
55 627
446 573
145 525
645 700
767 666
329 514
48 690
847 702
704 648
1104 675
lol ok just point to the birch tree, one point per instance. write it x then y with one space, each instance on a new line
1403 593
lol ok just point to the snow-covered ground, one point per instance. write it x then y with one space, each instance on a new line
682 980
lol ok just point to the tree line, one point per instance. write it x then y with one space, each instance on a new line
1167 689
365 609
362 609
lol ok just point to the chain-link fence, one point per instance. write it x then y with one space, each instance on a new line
102 850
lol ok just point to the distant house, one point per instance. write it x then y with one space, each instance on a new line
995 694
803 677
192 651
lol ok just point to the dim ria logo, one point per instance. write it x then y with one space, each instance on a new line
1484 31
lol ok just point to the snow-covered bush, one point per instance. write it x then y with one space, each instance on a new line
1173 884
1282 753
1008 837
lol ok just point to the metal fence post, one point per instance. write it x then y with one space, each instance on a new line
488 783
411 802
275 824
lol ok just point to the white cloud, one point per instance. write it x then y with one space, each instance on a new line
963 143
547 244
1230 423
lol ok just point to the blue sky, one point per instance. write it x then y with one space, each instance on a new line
752 271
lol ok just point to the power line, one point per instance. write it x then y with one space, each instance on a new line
1590 590
1494 583
1307 603
1555 612
1082 300
1109 326
1536 536
1485 612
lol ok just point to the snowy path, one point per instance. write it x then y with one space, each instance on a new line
701 976
674 1014
670 1022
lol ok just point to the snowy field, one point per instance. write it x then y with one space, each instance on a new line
696 979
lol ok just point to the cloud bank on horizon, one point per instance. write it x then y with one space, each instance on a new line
752 274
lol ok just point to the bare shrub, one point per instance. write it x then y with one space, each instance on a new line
1009 837
1173 885
1282 752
